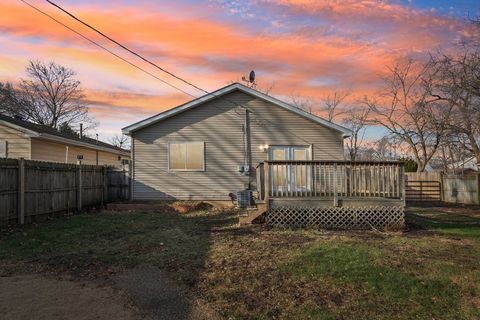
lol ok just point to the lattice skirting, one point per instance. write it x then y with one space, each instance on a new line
380 217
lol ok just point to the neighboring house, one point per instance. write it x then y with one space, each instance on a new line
209 147
465 165
23 139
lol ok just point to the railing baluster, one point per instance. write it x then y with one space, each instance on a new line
354 181
331 179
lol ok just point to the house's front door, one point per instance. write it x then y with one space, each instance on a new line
290 178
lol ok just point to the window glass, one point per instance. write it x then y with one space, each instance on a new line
278 154
300 154
178 155
194 156
187 156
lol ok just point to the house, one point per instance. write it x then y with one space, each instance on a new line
24 139
208 148
237 138
466 165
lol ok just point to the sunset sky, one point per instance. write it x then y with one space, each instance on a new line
301 47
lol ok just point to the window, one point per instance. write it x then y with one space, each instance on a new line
187 156
3 149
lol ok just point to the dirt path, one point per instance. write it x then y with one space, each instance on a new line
144 292
36 297
160 297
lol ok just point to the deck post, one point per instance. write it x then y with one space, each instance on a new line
266 168
335 195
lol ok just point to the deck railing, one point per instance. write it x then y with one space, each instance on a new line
331 179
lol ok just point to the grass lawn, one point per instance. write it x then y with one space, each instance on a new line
431 271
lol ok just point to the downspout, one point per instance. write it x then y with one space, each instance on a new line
246 147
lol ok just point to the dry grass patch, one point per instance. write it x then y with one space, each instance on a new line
429 272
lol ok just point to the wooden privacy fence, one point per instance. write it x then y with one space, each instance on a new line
436 186
29 189
463 189
423 186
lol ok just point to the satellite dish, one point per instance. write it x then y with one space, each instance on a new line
251 77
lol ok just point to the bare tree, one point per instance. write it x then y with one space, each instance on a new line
303 103
267 89
355 119
407 112
52 96
332 104
457 81
11 101
385 148
120 140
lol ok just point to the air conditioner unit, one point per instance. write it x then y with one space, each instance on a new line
244 199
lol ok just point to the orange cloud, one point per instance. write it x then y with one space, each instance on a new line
360 38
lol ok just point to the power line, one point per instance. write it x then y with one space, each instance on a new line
138 55
125 47
116 55
256 118
106 49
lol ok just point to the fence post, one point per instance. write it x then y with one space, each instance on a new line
79 186
478 187
105 184
441 187
130 179
403 196
124 187
21 191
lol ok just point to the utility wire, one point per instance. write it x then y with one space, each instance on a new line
106 49
120 57
260 121
125 47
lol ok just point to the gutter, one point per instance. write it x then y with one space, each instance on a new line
33 134
28 132
51 137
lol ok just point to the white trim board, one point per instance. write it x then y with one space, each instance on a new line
216 94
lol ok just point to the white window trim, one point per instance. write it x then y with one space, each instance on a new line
186 170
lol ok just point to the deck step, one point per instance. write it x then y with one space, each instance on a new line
251 215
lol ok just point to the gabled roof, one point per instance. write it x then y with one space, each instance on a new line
40 131
225 90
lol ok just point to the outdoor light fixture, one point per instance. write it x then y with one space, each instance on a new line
263 147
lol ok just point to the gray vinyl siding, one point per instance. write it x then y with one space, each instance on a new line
219 125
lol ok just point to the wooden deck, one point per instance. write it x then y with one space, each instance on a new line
330 188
